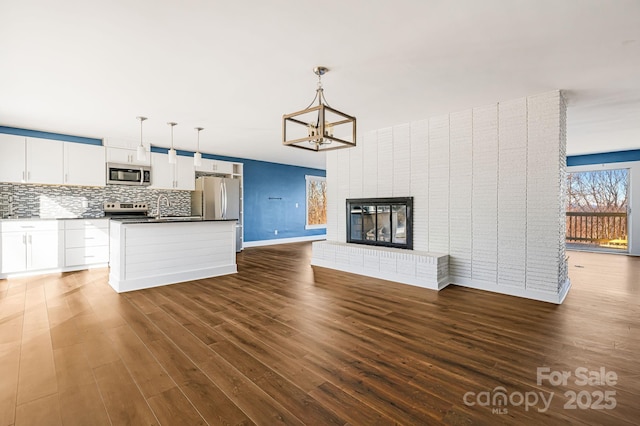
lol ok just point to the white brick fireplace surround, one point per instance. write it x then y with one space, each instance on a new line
488 189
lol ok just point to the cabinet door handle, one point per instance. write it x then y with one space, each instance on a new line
28 175
29 238
24 238
66 177
23 176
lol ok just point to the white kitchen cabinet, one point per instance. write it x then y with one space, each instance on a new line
86 242
84 164
161 171
30 160
14 252
126 156
124 151
45 161
172 176
30 246
12 158
184 173
215 166
43 250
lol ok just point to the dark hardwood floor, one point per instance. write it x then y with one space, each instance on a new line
284 343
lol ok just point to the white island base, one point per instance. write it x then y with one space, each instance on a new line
145 255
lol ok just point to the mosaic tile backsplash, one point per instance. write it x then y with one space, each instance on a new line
53 201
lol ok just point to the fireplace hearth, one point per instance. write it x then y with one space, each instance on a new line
385 222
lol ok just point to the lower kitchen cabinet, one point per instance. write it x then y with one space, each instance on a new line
30 246
14 252
43 246
86 242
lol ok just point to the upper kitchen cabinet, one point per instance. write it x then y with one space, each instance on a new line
124 152
185 173
215 166
48 161
45 161
31 160
172 176
13 160
84 164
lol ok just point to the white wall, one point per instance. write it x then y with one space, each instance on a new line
634 197
487 185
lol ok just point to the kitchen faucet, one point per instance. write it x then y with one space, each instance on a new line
160 198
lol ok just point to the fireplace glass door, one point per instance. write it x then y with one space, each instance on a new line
380 222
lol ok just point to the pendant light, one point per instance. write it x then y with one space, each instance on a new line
197 157
172 152
141 154
320 127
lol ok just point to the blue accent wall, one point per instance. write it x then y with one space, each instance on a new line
605 157
270 196
49 135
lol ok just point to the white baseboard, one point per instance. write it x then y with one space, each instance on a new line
122 286
284 241
52 271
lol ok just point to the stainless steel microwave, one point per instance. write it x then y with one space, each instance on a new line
128 174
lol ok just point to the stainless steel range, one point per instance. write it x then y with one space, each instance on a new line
117 209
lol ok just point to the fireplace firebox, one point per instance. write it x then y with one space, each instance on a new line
385 222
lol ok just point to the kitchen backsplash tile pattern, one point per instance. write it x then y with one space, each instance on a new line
53 201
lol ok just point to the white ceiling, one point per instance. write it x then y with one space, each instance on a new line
234 67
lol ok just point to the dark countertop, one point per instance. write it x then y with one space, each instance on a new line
170 219
142 219
18 219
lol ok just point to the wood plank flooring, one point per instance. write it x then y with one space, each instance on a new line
284 343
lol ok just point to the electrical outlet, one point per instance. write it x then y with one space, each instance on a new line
276 232
296 205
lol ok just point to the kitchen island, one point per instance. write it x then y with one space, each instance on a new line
148 253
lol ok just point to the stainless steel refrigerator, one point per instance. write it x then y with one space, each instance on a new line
218 198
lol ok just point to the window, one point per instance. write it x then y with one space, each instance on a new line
597 210
316 202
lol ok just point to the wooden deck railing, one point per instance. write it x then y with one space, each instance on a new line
597 228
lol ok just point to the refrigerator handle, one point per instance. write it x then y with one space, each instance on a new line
221 199
225 199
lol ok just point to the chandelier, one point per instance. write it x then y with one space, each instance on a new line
320 127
